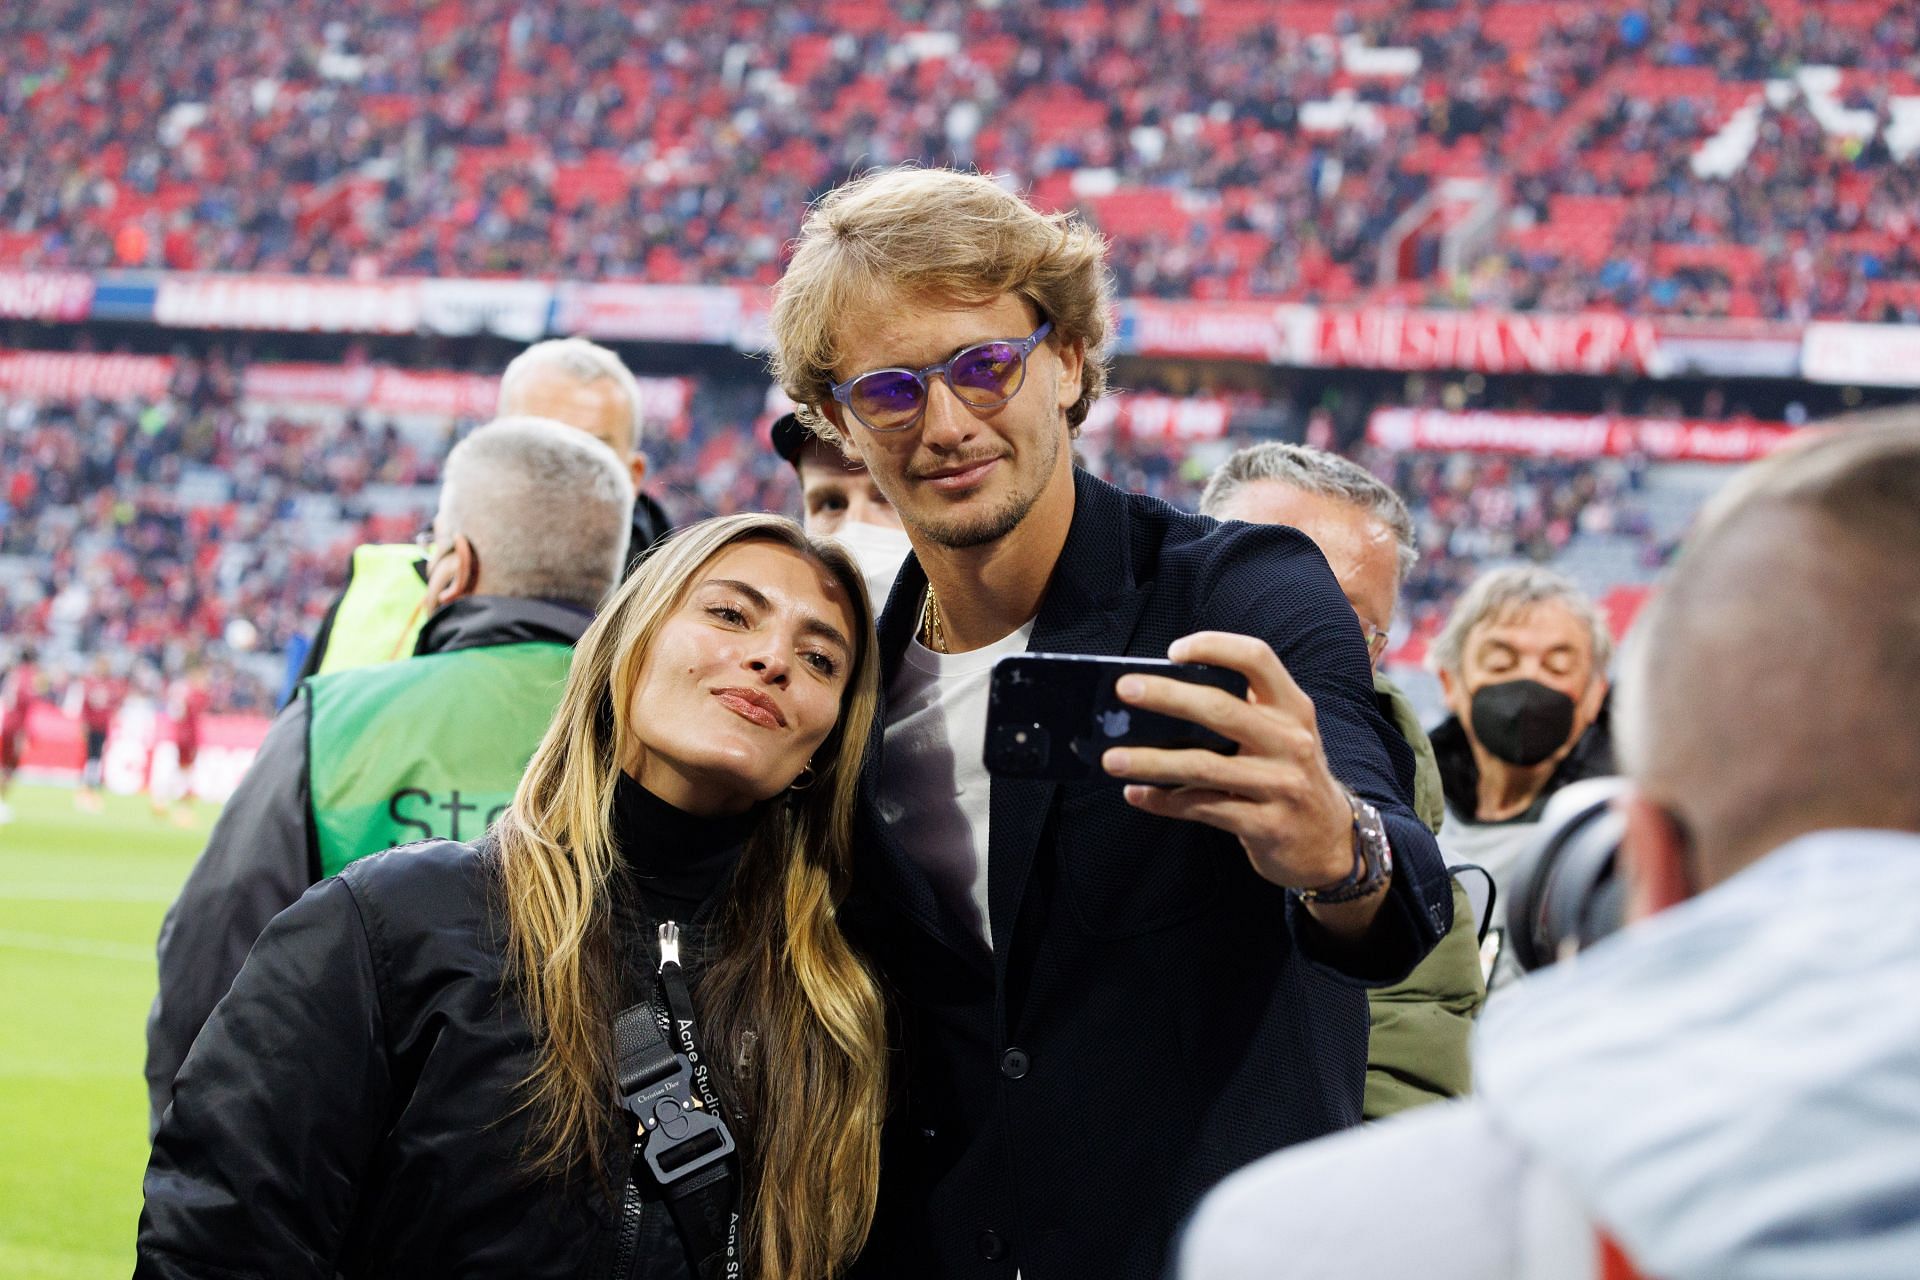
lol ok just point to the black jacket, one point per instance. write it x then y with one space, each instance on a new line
262 854
651 526
1156 1015
352 1107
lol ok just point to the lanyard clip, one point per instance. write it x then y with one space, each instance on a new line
681 1137
669 944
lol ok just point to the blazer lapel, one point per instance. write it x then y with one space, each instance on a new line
1091 607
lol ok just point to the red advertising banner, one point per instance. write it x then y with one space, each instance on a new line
66 376
300 304
141 752
1484 341
1390 337
1550 435
36 295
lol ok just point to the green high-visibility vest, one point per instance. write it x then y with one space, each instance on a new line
430 747
381 611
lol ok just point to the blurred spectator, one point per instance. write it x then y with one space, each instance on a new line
17 695
839 499
99 695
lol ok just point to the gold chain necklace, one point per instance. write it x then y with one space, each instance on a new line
931 633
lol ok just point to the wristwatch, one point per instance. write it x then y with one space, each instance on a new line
1372 859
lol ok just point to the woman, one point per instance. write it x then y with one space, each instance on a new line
416 1071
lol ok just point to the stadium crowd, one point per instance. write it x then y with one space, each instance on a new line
1225 153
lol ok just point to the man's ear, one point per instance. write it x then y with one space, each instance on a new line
1453 692
638 464
454 575
1655 856
1073 359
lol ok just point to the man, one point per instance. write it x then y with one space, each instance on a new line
1522 662
1726 1088
838 499
583 384
187 700
18 692
100 696
530 534
1418 1048
1365 531
1111 997
378 615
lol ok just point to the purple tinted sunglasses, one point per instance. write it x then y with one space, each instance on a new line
983 376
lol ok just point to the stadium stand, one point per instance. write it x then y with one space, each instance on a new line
1740 158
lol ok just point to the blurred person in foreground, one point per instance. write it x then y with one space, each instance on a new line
436 1063
1417 1050
1522 662
531 534
379 614
1112 995
18 692
1727 1088
839 500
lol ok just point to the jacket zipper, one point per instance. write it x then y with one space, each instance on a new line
630 1212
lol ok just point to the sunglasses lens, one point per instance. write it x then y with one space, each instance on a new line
988 374
888 399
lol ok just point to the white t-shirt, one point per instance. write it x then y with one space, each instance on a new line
935 793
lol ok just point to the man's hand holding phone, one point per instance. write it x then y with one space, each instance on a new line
1276 794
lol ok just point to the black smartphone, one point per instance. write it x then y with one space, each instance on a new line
1050 716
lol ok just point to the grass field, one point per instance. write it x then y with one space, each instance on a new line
81 896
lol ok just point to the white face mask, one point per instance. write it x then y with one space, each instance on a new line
879 551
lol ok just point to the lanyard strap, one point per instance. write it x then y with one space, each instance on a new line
682 1131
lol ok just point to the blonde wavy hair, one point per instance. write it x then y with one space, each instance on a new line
782 983
937 233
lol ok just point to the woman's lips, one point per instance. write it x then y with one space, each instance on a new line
750 705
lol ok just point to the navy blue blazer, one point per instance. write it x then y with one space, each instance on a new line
1155 1014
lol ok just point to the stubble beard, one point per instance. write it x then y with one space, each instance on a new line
957 533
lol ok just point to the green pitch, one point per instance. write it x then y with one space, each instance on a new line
81 896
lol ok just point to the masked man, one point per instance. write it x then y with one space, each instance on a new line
1522 663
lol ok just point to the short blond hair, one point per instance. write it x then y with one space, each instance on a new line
944 234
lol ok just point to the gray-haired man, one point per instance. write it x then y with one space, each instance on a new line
1522 663
1417 1050
531 534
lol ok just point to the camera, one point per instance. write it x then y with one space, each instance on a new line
1568 890
1019 750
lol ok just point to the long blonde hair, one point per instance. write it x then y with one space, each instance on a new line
782 986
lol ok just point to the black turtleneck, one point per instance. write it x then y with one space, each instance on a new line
679 860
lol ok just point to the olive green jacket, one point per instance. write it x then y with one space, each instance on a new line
1418 1050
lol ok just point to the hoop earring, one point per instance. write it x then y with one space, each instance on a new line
807 774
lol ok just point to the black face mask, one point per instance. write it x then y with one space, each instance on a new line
1522 721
